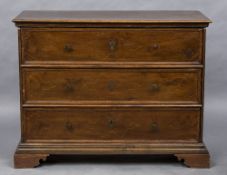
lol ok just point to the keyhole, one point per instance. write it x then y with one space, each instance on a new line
113 45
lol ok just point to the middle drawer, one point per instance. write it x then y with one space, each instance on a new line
105 85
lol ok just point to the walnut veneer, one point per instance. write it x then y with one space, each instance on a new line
111 82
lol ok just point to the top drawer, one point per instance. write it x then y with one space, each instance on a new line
112 45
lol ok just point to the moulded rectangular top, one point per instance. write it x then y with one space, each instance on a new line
156 18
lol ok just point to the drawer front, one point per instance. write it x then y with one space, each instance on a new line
104 85
108 45
111 124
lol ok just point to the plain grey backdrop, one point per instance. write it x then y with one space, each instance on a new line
215 121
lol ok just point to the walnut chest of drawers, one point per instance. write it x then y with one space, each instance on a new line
111 82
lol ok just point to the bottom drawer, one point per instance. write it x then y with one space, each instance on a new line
111 124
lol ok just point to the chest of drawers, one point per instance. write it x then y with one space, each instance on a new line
118 82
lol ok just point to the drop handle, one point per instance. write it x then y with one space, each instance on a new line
110 123
188 53
154 87
69 126
155 46
68 48
154 127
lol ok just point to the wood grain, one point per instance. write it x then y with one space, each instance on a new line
93 45
195 160
112 17
149 124
28 160
116 82
101 85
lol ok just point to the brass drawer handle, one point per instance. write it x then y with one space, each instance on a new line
154 87
112 45
155 46
69 126
154 127
68 48
110 123
111 85
188 53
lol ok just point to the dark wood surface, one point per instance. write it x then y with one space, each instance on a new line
194 160
112 85
113 16
108 45
100 124
135 87
28 160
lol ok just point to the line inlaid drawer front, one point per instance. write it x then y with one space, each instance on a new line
110 45
115 124
111 82
71 85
